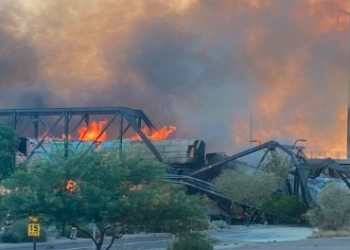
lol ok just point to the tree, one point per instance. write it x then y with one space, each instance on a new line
278 165
119 194
8 146
250 189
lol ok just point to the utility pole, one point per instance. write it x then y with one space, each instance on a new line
251 129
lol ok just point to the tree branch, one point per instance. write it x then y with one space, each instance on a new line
118 236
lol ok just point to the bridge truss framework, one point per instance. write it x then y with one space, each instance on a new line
70 119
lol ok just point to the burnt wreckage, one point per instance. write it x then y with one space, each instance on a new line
189 164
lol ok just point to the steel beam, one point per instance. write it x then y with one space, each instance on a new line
135 117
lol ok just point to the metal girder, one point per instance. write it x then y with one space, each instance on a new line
271 145
134 117
206 188
305 172
135 123
44 137
77 111
304 168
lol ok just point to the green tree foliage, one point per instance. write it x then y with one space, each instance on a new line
333 210
277 164
251 189
193 242
243 187
282 208
119 194
8 145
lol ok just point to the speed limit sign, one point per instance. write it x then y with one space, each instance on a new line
34 229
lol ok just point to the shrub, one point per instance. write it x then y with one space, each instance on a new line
333 210
194 242
284 208
255 187
329 234
18 232
9 238
279 165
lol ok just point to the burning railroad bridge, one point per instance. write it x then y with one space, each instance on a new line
44 130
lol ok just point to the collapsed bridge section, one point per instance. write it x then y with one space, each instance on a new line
306 176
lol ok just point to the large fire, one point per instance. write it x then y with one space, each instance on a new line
93 132
155 135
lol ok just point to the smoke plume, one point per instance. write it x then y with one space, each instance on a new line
225 71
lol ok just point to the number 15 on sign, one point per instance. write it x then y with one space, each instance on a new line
34 229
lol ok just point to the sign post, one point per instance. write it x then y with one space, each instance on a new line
34 229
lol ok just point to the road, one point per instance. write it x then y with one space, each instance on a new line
233 238
311 244
160 243
139 242
275 237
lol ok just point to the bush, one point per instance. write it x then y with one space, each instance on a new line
18 233
256 186
284 208
9 238
333 210
193 242
329 234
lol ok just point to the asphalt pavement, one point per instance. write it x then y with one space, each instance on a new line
243 235
232 238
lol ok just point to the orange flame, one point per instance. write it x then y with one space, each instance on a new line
155 135
70 186
91 132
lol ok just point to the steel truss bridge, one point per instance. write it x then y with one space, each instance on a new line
68 121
